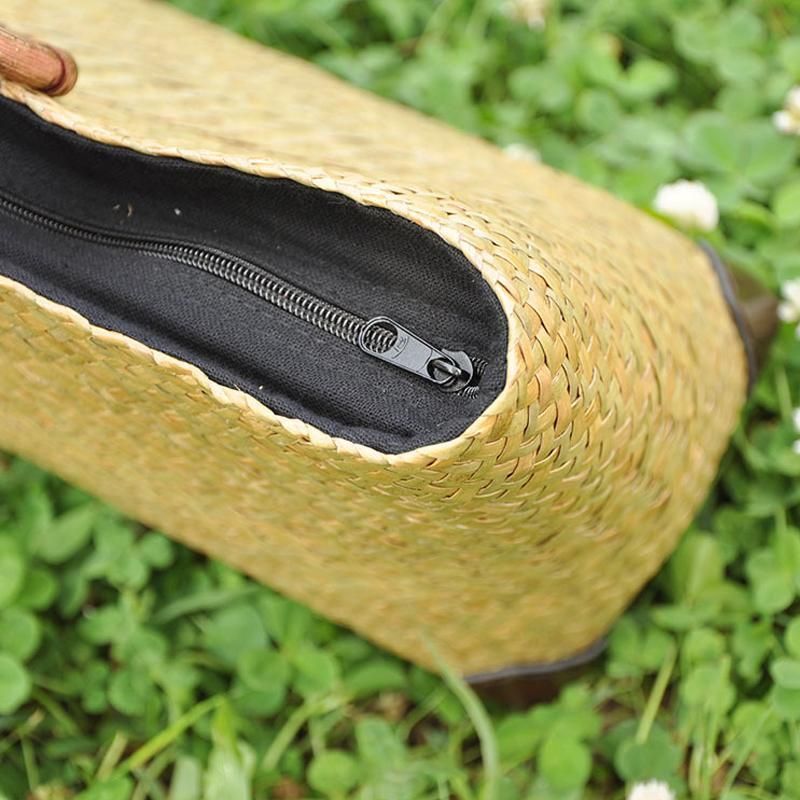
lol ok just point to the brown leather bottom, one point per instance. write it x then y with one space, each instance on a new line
522 686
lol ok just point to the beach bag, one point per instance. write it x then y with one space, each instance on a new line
461 403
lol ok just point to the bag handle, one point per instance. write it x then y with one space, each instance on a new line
37 65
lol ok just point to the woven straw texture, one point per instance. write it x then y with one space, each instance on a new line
518 542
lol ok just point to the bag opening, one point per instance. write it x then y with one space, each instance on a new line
364 260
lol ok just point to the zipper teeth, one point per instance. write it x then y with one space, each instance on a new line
479 365
295 301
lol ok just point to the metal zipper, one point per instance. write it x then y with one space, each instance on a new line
380 337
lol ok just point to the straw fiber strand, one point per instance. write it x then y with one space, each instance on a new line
517 542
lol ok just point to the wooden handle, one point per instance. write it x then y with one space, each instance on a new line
35 64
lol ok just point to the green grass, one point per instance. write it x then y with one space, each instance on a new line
132 668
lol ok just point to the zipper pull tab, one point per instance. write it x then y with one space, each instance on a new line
450 370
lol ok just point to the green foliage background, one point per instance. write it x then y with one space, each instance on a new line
132 668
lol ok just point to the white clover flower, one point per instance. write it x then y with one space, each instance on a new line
788 119
688 203
789 307
532 13
652 790
786 122
521 152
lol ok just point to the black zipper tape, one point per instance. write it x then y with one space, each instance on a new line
379 337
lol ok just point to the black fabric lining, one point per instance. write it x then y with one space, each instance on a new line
367 260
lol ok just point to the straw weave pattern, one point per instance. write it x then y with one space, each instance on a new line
517 542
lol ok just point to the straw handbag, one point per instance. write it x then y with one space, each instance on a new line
461 404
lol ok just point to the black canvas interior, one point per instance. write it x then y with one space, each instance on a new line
365 260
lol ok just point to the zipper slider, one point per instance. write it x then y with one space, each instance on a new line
450 370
